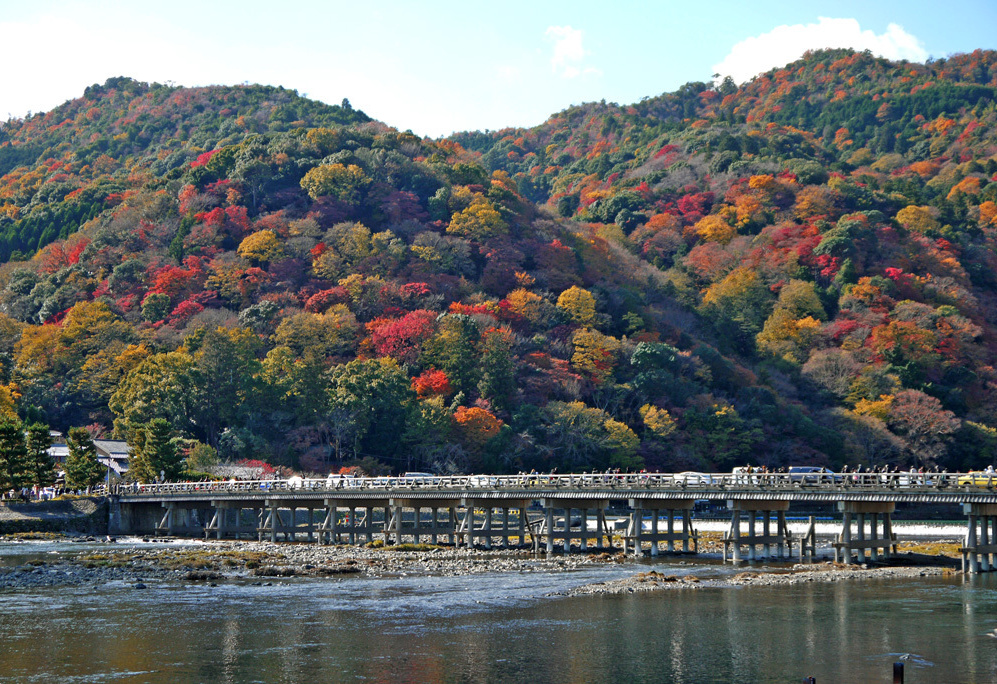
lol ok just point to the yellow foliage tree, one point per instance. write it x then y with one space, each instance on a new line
579 304
527 304
714 228
480 220
595 354
260 247
657 420
877 409
345 183
917 219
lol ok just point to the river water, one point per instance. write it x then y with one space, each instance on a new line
500 628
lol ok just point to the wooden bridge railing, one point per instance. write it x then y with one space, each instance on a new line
705 483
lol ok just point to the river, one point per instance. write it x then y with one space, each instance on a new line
498 628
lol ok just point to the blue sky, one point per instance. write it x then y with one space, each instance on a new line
436 67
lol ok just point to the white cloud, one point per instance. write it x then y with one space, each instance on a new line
568 52
784 44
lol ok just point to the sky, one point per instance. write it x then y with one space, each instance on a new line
439 67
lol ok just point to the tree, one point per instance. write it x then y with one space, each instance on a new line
154 453
579 305
454 351
738 306
498 372
368 401
162 386
82 468
595 354
13 456
921 419
261 247
584 437
478 221
39 467
345 183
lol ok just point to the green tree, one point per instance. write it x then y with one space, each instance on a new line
13 456
368 403
498 372
40 469
154 451
82 468
162 386
454 351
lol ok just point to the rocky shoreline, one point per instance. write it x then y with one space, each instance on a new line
261 562
799 574
214 561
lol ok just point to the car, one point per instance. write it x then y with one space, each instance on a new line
482 481
979 478
814 475
692 479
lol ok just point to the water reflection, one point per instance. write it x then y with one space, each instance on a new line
500 629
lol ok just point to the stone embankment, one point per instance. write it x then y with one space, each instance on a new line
80 516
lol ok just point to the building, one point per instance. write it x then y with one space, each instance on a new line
111 453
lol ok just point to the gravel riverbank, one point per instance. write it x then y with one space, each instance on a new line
224 560
137 564
798 574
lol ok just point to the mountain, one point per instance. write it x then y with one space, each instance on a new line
797 270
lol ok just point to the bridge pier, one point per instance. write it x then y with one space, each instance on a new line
637 536
436 527
880 537
980 547
734 539
551 532
490 527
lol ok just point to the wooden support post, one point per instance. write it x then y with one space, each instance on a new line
984 542
654 532
274 522
766 530
751 535
671 530
549 528
686 529
638 530
735 533
523 520
846 538
452 512
488 527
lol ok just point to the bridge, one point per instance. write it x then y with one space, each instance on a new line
489 509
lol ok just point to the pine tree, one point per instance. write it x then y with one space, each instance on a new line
13 455
82 467
154 452
40 469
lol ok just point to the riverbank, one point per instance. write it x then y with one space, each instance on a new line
83 515
799 574
137 563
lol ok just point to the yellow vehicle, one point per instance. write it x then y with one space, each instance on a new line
979 478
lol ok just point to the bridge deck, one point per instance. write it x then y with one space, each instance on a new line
871 487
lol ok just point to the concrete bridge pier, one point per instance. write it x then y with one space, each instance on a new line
635 530
868 539
980 547
749 509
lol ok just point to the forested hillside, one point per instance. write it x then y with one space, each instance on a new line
799 270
